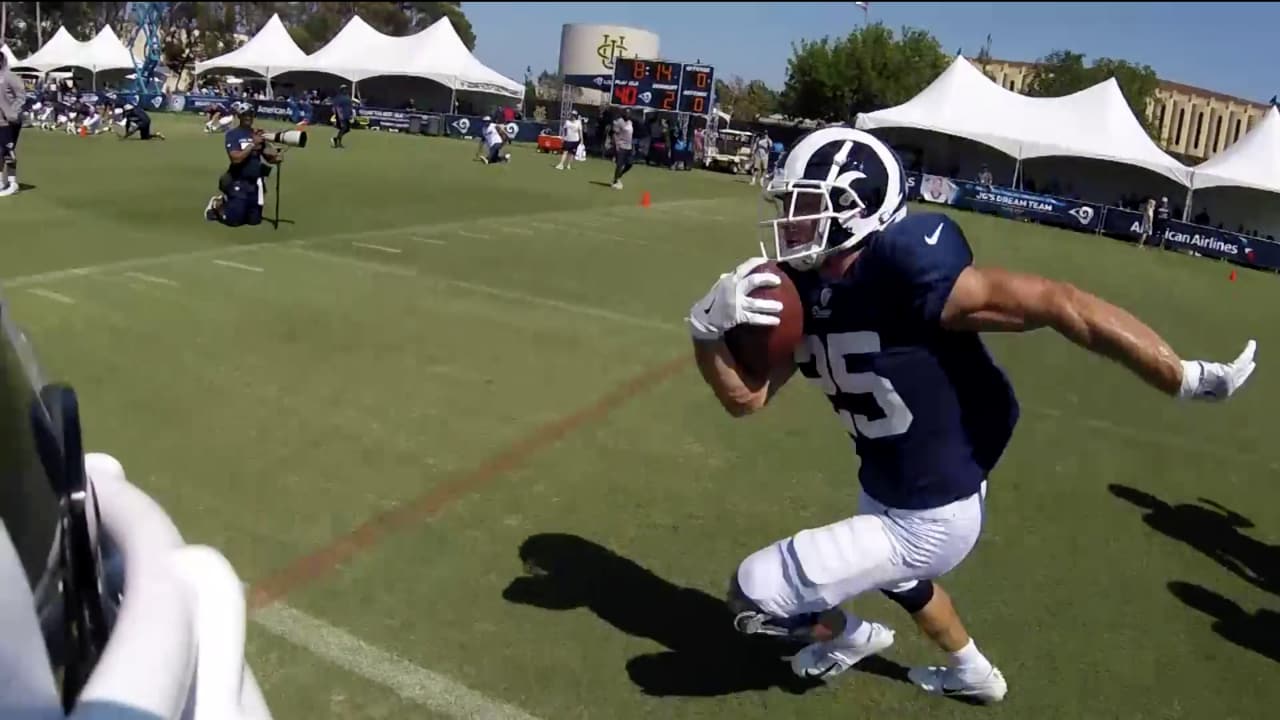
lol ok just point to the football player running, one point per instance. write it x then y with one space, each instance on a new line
893 307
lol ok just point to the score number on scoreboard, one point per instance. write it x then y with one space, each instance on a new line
660 85
646 83
695 89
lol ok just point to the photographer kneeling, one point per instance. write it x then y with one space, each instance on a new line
243 187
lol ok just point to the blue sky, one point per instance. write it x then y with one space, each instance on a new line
1228 47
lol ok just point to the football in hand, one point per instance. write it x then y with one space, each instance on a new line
757 348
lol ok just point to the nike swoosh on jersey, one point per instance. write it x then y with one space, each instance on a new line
933 239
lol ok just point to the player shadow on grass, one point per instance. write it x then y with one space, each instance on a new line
1213 530
705 656
1259 632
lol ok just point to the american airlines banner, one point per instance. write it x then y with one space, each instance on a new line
1093 217
1175 235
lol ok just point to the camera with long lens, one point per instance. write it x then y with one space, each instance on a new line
292 138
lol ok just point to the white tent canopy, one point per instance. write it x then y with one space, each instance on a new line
1095 123
10 60
62 50
106 52
1238 186
445 52
1253 162
359 52
266 53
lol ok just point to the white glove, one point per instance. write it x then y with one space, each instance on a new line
728 303
1216 381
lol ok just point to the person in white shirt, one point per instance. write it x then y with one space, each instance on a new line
760 158
494 136
572 138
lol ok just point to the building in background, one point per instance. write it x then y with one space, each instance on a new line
1191 122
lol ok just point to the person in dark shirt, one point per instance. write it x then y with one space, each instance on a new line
242 190
135 118
342 115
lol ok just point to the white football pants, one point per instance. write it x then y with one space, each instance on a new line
880 548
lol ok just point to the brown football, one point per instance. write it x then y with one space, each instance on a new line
757 349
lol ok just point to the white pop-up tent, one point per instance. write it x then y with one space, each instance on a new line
265 54
10 60
358 51
103 54
442 50
60 51
1241 184
106 52
385 65
1067 136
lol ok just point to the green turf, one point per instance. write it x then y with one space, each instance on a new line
271 412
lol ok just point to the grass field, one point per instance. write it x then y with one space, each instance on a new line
443 421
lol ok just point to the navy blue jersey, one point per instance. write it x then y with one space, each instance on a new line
929 410
342 106
238 138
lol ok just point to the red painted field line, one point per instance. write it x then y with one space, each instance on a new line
318 563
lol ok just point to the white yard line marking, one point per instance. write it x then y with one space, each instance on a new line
487 290
137 262
412 683
516 230
51 295
238 266
432 241
383 248
478 236
151 278
589 231
350 261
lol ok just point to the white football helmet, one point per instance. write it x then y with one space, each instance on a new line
833 189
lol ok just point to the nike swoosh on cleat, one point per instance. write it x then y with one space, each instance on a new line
820 673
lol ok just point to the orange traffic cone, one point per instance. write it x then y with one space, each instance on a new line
1232 276
644 199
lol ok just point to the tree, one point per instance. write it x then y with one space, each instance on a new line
1059 73
312 24
548 85
1063 72
82 19
865 71
746 100
193 31
1137 82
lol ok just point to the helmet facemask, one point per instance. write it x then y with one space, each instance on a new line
805 222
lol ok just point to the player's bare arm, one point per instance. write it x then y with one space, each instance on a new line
996 300
738 392
727 305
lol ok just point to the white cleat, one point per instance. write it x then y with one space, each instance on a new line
949 681
825 660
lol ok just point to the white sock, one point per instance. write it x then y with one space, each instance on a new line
857 632
970 660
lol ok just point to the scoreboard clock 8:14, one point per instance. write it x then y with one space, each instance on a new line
658 85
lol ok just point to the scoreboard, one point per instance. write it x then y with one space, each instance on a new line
660 85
